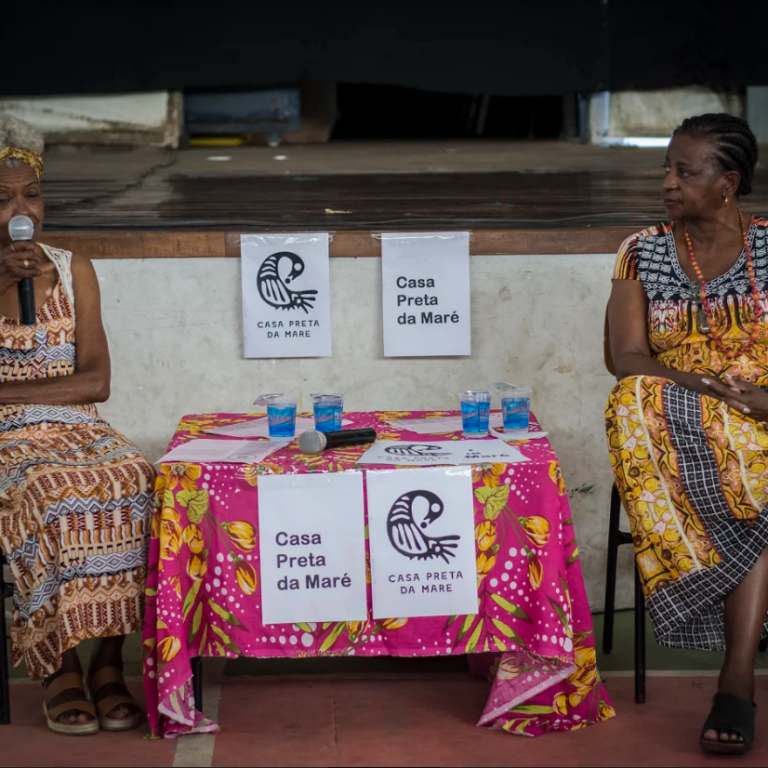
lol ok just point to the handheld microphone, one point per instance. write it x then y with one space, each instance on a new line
317 442
22 228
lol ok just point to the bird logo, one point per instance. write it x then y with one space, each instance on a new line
412 450
273 288
410 516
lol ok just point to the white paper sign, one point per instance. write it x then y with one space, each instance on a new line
286 295
312 547
422 536
225 451
399 453
425 291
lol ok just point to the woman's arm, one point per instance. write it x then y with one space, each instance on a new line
91 381
631 353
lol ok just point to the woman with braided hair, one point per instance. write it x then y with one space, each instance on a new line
688 422
75 496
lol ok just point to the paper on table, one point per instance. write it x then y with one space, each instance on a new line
435 453
260 427
437 425
515 437
226 451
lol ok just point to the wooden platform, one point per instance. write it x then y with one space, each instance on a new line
515 197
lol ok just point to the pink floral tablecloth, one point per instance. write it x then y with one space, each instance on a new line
533 634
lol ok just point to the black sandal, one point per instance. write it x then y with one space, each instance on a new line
732 714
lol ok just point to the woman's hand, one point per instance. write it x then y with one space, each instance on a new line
740 395
17 261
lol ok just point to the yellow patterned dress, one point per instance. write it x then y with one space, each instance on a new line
75 500
692 473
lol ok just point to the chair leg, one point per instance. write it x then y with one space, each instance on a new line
611 570
5 693
197 682
639 640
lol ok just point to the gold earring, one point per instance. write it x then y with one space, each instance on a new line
726 199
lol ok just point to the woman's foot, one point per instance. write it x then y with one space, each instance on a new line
70 664
730 711
107 686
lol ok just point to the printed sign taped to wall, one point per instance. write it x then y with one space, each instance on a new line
426 294
286 295
312 548
422 537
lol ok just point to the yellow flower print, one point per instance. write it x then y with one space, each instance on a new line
488 473
560 704
485 564
170 536
193 538
578 696
510 668
246 577
485 535
386 415
197 567
556 475
538 530
392 624
535 571
356 629
242 534
185 475
169 648
251 472
175 582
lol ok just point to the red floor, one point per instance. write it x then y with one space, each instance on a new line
381 722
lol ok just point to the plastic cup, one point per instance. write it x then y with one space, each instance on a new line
329 410
475 413
281 415
516 411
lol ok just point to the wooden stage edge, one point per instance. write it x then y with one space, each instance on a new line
158 244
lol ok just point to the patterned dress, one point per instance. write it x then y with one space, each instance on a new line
692 473
75 500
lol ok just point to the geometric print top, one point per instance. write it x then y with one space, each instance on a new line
673 333
41 351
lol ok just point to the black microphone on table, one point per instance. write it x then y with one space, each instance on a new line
317 442
22 228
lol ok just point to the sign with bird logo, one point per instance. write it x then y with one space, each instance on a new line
286 295
422 537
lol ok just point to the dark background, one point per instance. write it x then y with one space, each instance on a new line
500 47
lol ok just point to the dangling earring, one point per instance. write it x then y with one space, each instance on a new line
726 199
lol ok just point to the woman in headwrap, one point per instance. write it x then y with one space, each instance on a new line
75 496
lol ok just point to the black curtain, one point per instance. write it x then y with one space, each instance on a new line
499 47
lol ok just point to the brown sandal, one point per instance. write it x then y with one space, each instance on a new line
112 677
70 681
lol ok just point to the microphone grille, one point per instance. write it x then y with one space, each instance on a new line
21 228
312 441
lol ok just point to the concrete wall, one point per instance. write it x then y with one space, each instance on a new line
655 113
175 331
132 118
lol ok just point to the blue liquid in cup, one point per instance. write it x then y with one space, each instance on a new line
516 413
328 416
282 420
475 418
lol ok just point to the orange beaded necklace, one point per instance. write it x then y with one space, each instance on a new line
709 326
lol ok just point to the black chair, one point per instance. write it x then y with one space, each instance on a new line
6 590
617 537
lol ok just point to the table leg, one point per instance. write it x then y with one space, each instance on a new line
197 682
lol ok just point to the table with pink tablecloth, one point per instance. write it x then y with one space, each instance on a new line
532 636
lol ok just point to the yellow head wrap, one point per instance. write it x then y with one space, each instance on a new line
28 156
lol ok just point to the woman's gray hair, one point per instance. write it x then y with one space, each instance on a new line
19 134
